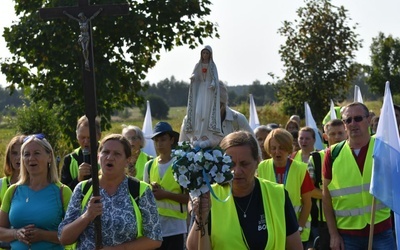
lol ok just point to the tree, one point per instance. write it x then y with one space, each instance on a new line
46 54
258 92
159 107
385 64
318 56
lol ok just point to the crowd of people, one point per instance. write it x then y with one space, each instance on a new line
285 194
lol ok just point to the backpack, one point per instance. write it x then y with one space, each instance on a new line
318 162
133 186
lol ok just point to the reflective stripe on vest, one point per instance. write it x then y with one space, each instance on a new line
349 190
227 233
295 178
358 211
167 207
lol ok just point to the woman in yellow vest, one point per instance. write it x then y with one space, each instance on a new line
139 158
126 223
292 174
257 215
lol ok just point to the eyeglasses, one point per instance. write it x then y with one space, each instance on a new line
38 136
133 138
358 118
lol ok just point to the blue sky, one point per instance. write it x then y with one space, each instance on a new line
248 46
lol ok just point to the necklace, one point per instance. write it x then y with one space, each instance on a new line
247 207
27 195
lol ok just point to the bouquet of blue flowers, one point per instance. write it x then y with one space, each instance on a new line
195 169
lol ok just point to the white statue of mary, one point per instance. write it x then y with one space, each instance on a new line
203 117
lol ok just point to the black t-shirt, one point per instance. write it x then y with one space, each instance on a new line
254 226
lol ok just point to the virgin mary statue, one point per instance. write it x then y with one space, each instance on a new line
203 117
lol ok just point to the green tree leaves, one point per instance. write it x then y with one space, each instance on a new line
48 58
318 55
385 64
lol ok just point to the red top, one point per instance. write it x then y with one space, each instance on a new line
306 186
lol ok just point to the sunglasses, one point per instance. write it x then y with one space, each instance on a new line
358 118
38 136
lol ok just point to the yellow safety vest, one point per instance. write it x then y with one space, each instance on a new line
294 180
5 182
349 190
168 207
143 185
227 233
74 166
140 163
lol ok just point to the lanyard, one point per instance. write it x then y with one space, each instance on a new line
288 162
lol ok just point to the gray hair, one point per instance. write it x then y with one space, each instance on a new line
138 132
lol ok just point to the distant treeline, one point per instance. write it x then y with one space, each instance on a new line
175 93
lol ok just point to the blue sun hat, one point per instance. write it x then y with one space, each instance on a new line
164 127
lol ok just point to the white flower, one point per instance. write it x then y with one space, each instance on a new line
213 170
226 159
198 157
204 189
195 193
182 169
183 181
217 154
219 177
190 156
225 168
207 165
208 156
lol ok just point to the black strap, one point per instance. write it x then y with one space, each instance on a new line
336 150
149 167
133 186
86 187
316 157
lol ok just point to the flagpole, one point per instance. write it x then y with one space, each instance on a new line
372 224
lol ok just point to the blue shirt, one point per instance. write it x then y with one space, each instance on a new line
42 208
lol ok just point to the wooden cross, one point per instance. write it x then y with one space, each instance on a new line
83 14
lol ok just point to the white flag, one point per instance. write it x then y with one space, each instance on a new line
310 122
253 119
148 132
333 111
357 94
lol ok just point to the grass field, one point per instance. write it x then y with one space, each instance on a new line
266 114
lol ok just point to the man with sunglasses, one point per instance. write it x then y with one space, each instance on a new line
347 203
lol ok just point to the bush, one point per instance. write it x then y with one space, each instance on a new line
38 118
159 107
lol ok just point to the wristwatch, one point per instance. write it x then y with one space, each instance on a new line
300 229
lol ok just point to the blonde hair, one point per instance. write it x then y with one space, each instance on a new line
52 173
283 137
